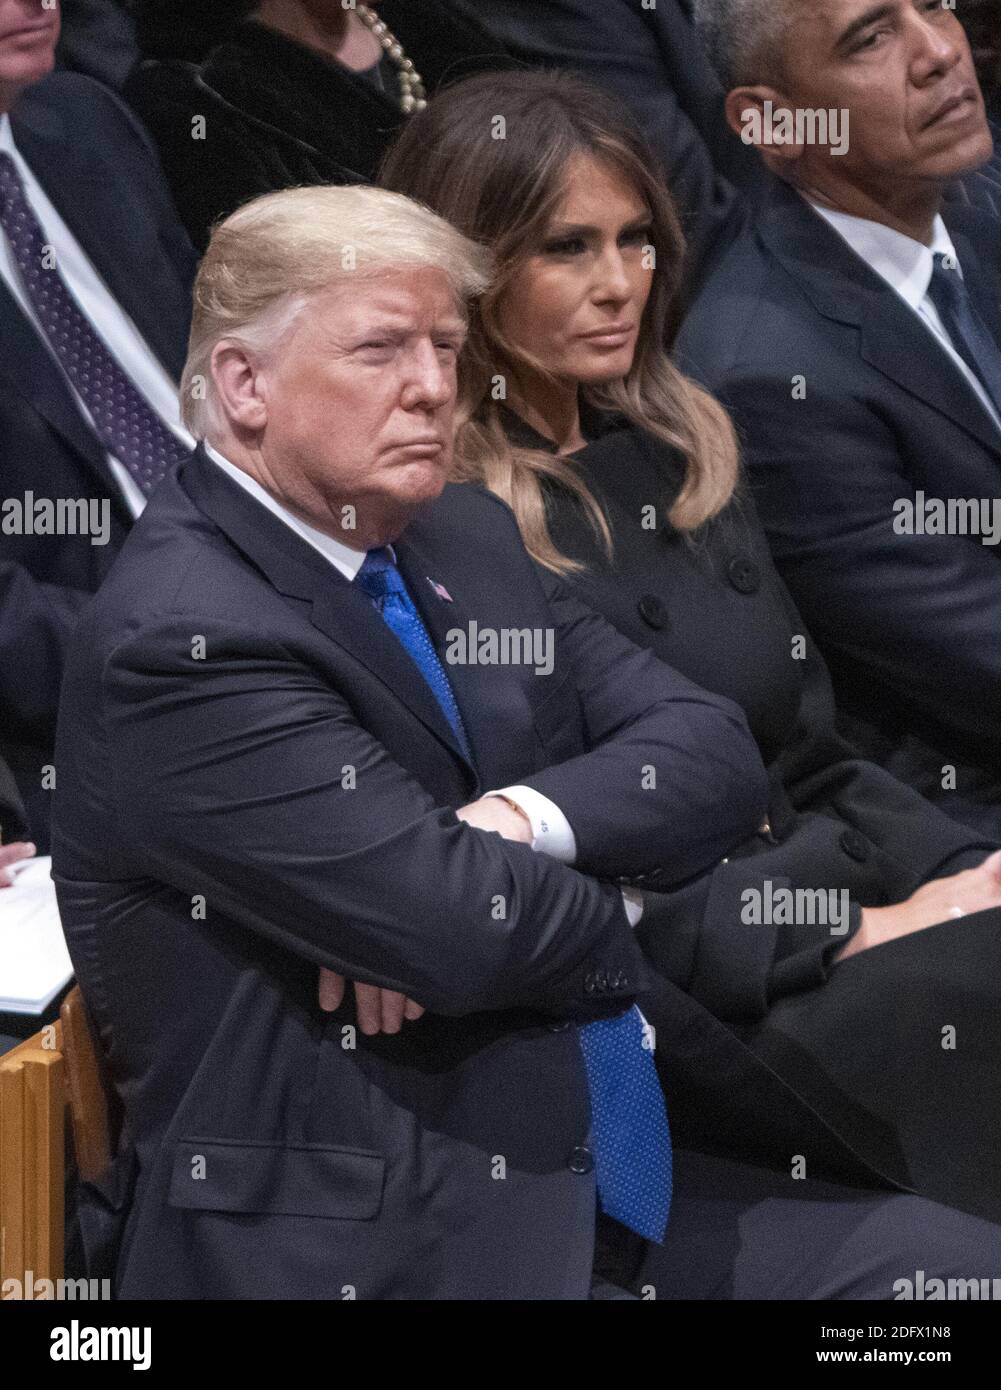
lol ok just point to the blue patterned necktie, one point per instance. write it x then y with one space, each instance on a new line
125 422
970 336
632 1143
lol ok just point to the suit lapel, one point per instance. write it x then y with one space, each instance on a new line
484 694
928 373
337 608
844 289
122 240
342 612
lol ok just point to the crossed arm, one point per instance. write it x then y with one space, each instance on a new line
228 773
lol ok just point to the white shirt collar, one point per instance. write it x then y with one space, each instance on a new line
341 556
7 139
906 265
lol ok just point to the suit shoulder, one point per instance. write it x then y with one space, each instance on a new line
735 304
176 565
979 227
87 110
751 316
474 500
468 516
73 94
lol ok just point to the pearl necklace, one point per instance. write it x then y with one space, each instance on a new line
412 94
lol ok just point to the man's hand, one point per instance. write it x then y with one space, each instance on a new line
13 854
379 1010
943 899
497 813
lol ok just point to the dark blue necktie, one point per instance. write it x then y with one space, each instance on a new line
970 336
632 1142
126 423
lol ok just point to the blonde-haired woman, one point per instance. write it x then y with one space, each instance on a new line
623 476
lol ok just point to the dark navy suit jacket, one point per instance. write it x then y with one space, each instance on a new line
909 624
98 168
226 823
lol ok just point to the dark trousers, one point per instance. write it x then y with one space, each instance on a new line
738 1232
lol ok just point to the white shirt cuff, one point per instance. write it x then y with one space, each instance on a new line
551 833
632 901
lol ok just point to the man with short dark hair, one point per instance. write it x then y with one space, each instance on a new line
855 332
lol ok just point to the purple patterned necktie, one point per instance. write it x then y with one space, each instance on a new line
126 423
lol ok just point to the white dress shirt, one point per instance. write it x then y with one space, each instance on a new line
109 319
906 265
551 831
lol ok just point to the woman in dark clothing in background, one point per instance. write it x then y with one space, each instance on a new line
623 477
296 92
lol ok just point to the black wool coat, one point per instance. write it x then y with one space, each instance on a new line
861 1042
279 114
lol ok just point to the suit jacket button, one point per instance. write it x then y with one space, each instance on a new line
581 1160
601 980
855 846
652 611
589 982
559 1027
744 575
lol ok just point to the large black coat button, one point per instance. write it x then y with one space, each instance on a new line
560 1027
581 1160
855 845
652 611
744 575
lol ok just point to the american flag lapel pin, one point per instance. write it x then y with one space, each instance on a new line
439 589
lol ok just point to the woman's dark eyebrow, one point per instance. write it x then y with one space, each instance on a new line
876 12
570 229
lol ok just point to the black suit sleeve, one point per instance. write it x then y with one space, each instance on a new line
823 774
36 623
671 761
246 779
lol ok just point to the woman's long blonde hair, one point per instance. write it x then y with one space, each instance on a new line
490 155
